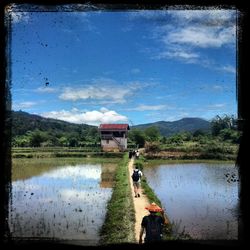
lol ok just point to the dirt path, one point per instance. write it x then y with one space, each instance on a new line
140 203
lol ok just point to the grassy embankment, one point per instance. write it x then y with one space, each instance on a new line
120 217
210 150
57 152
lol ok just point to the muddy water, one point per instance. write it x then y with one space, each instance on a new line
200 199
66 203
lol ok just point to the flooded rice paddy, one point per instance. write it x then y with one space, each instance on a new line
200 199
65 203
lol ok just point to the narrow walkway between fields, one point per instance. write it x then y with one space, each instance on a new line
140 203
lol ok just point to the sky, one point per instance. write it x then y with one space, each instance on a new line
123 66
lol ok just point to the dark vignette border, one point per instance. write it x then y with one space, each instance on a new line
243 117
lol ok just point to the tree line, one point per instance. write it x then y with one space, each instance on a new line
223 128
38 138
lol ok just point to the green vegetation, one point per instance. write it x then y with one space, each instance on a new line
120 217
189 138
35 131
220 143
156 162
59 143
65 152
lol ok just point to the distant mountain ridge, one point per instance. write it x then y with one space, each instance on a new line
23 122
185 124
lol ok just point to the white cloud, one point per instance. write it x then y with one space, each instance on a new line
202 37
208 17
217 88
185 34
217 106
178 53
103 91
93 117
114 94
24 105
228 68
143 107
45 90
135 71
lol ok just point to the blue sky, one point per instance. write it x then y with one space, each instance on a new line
124 66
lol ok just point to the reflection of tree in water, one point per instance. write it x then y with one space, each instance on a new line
107 175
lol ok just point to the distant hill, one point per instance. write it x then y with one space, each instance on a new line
186 124
23 122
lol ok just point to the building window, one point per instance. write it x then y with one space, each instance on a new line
107 141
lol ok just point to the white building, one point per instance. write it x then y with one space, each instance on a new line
114 136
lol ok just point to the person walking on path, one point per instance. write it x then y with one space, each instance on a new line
136 176
137 153
152 224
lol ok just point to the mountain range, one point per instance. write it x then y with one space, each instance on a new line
167 128
23 122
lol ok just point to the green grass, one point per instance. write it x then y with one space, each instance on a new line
154 162
200 150
65 152
120 217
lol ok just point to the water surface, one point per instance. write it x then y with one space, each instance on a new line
201 199
66 203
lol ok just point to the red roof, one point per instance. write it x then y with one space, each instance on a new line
114 126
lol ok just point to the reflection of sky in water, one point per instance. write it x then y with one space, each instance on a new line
199 197
65 203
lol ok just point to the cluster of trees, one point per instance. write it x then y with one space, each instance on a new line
223 128
37 138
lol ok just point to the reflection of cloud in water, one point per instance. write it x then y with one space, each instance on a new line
90 195
67 203
21 185
79 171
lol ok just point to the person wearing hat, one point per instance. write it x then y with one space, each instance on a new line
152 224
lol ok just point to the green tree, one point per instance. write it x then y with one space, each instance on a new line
163 140
152 134
36 138
73 142
230 135
176 139
21 141
63 141
137 136
93 132
219 123
198 132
